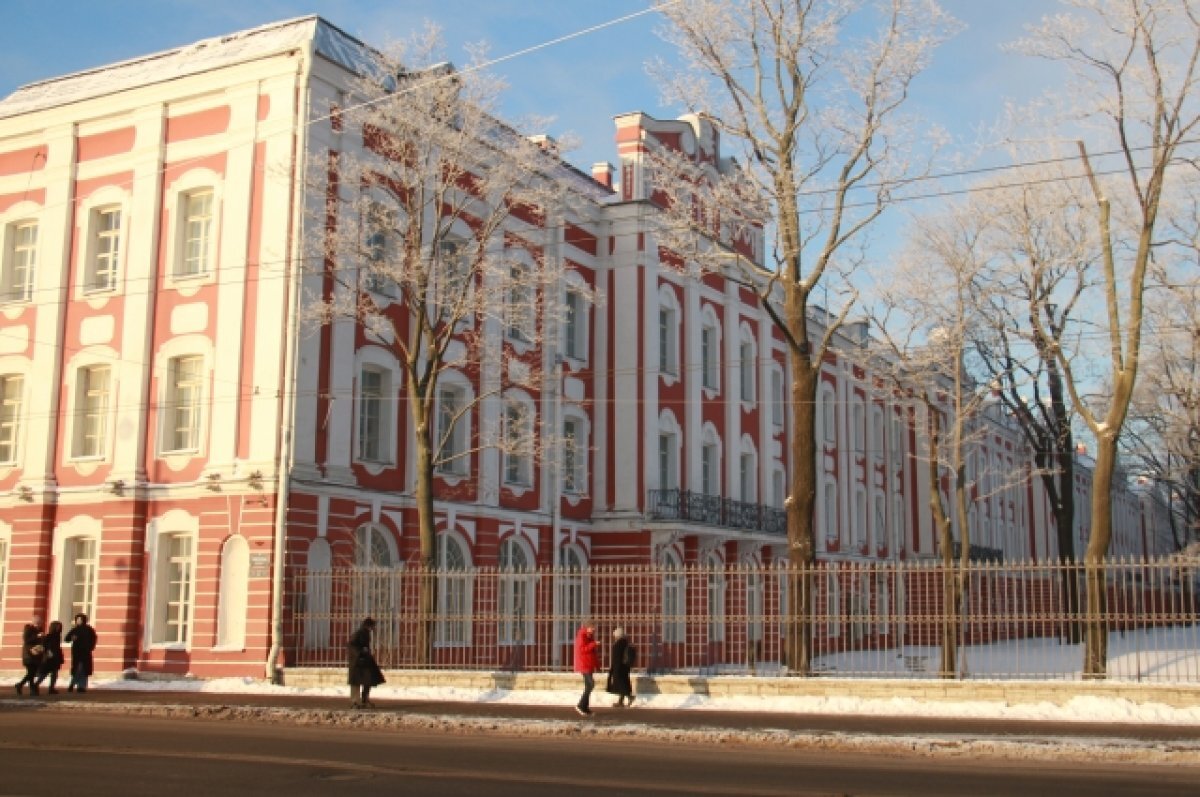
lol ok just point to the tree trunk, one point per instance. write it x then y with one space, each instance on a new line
801 507
427 570
1095 661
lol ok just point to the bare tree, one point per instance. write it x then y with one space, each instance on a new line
1040 244
432 242
928 313
1135 67
815 105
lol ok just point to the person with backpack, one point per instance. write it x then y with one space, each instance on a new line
623 657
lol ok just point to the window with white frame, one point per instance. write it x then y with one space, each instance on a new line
92 393
710 464
12 388
778 488
668 460
518 442
673 584
374 415
897 441
668 332
79 567
829 510
747 366
452 280
174 573
195 233
519 313
860 516
379 243
454 592
453 429
20 262
373 590
828 416
575 325
573 593
574 455
858 419
876 433
709 356
715 576
754 602
105 249
777 399
185 384
748 477
516 595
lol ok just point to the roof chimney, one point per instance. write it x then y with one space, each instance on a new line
602 173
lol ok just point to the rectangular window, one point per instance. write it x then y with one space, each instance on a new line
195 237
746 371
517 433
572 459
666 338
174 589
452 282
381 251
79 568
776 398
451 432
575 323
667 472
370 415
185 381
11 389
708 358
92 387
20 262
520 305
746 479
106 250
708 469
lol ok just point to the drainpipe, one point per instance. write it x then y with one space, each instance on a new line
287 405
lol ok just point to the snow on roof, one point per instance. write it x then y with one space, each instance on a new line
191 59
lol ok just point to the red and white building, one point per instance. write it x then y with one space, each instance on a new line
171 435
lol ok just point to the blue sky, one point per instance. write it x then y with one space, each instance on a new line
583 83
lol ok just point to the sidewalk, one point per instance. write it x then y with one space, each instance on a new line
500 712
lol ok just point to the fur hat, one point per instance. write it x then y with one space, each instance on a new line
618 633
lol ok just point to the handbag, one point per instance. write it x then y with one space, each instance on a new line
36 650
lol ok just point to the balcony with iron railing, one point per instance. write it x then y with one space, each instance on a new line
713 510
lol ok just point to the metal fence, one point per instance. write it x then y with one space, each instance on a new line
869 620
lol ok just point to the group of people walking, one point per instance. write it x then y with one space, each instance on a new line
42 655
621 660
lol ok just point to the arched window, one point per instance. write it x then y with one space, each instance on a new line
669 442
317 595
573 592
374 591
710 350
516 594
674 611
454 591
747 364
518 439
715 574
233 591
754 601
710 461
668 332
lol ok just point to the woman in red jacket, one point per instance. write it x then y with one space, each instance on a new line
586 663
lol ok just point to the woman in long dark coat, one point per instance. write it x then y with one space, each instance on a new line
52 658
363 671
619 664
83 641
31 654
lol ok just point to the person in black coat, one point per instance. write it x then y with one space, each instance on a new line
620 662
31 654
52 658
82 638
364 672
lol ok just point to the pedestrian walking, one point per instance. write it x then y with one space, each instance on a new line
31 654
82 638
586 664
52 657
364 672
623 657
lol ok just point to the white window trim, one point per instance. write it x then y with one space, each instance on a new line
185 346
582 454
668 425
527 477
19 215
582 339
373 357
710 366
107 198
192 181
82 527
710 438
20 369
468 583
90 359
526 578
746 340
176 521
667 299
456 470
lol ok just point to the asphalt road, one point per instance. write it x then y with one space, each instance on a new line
55 752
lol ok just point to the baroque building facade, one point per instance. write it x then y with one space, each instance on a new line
174 436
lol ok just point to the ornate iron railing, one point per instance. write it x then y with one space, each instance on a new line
713 510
